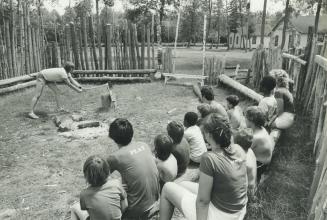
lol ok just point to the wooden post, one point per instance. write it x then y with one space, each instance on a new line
74 45
12 39
138 63
80 44
152 41
91 31
148 36
125 39
84 35
99 35
133 55
8 46
204 42
109 55
142 47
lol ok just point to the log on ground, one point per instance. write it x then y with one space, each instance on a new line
115 79
17 87
89 124
240 88
15 80
121 72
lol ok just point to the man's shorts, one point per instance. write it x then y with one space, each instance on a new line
189 210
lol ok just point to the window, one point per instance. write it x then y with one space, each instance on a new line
236 39
276 41
230 40
254 40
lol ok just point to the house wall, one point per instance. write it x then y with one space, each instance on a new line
266 40
239 44
300 39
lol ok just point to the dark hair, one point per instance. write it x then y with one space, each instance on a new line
255 115
176 131
191 118
219 128
233 100
204 109
243 138
163 145
96 170
69 66
207 92
121 131
267 84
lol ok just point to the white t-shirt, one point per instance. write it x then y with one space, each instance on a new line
269 107
167 169
194 137
54 74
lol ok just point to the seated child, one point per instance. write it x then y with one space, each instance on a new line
104 199
194 137
285 101
204 110
235 113
268 104
262 142
181 148
244 139
165 160
135 162
209 98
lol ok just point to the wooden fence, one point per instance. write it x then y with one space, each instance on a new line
24 48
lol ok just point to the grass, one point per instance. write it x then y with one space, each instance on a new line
41 172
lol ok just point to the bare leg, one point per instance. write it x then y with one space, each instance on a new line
40 83
77 213
171 197
56 92
191 186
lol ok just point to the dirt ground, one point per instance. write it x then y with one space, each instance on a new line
41 171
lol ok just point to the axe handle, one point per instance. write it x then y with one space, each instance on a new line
95 87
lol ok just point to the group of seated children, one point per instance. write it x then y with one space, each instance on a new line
232 151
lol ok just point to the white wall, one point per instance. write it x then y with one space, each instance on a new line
237 44
278 32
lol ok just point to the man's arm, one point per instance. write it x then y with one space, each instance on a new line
73 81
67 81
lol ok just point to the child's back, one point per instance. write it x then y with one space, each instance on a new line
167 169
268 105
194 137
236 118
262 146
103 202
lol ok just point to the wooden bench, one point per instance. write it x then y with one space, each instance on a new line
183 76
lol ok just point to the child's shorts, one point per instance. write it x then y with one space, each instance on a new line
189 210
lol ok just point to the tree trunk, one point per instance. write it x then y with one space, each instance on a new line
84 36
99 35
74 45
233 41
286 18
263 23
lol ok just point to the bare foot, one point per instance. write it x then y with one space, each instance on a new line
32 115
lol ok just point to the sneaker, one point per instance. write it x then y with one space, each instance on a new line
32 115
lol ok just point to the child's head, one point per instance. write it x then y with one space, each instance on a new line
232 101
121 131
69 67
254 117
204 110
281 76
267 85
207 94
244 139
190 119
217 130
96 170
175 131
163 145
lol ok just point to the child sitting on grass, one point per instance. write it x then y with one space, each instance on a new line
194 137
268 104
262 142
165 160
235 113
104 199
181 148
244 139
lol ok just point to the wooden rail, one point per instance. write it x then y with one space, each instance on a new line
295 58
321 61
136 72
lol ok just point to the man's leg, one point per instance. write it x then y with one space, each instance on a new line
56 92
40 83
171 197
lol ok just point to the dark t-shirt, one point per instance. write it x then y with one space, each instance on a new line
139 172
181 152
229 189
103 202
287 97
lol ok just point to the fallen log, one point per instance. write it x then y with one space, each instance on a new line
321 61
89 124
17 87
114 79
180 84
240 88
15 80
111 72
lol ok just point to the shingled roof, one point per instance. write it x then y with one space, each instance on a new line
302 23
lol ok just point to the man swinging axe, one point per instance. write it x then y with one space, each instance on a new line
49 77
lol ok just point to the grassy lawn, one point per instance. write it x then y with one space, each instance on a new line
41 172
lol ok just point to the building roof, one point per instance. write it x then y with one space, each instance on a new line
302 23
